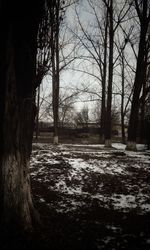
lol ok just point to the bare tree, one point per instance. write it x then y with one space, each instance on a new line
82 117
124 65
95 44
108 125
98 42
58 9
67 99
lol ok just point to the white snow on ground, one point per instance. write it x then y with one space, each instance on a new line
123 146
42 200
96 166
124 201
119 146
80 162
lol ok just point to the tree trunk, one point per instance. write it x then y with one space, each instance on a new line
103 103
55 66
37 114
103 113
139 76
17 113
110 79
122 99
123 128
143 101
17 202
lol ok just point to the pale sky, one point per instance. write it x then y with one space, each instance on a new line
70 79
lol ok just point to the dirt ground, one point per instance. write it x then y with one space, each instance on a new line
91 198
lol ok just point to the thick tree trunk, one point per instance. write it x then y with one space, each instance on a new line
139 80
17 207
143 101
17 202
17 112
133 122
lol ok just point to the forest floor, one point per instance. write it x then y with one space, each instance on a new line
90 197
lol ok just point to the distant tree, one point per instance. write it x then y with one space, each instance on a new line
108 125
125 92
67 99
94 40
57 11
66 107
82 117
116 15
43 56
52 59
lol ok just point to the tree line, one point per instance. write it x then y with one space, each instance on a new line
110 46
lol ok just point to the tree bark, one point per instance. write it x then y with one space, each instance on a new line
103 102
37 114
55 65
139 78
122 98
17 202
133 122
110 78
143 101
17 112
132 131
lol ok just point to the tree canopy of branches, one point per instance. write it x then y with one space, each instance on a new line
98 42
